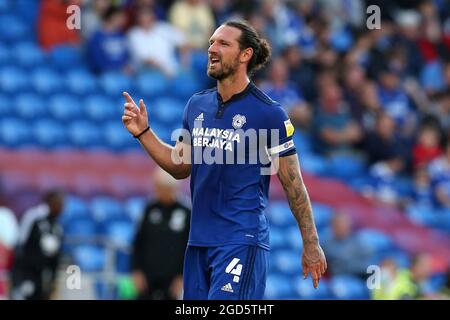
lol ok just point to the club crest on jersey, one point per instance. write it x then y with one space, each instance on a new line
239 121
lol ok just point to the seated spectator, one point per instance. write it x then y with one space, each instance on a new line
441 109
440 178
384 176
381 143
410 283
222 10
107 48
301 72
370 104
91 19
394 100
427 147
195 19
134 7
52 24
164 40
353 80
280 89
335 129
389 273
421 193
345 253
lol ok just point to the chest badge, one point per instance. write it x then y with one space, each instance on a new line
239 121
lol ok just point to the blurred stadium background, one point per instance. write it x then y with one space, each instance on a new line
383 161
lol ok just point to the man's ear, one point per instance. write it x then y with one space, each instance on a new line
246 55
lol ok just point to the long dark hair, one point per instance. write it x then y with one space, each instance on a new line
250 39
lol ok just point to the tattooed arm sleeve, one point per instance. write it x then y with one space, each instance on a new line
297 195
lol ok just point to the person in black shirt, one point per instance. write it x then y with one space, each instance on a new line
37 253
160 243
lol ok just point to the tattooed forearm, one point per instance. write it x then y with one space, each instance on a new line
291 179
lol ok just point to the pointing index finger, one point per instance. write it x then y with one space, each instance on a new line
128 98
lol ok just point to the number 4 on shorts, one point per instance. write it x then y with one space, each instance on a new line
235 269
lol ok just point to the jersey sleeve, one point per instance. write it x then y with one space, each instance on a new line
184 135
280 142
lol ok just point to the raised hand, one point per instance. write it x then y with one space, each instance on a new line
134 118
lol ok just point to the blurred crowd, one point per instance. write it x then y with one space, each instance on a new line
382 94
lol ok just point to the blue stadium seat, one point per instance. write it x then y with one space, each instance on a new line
30 106
322 214
46 81
27 54
64 107
65 57
89 258
5 5
151 84
28 11
81 82
14 29
4 55
134 208
117 136
443 219
5 106
106 209
12 79
375 240
123 262
278 238
163 132
187 84
114 83
423 215
120 233
278 286
199 61
314 164
74 208
49 133
85 134
14 132
280 214
302 141
304 288
348 287
294 238
346 166
101 107
168 111
81 227
287 261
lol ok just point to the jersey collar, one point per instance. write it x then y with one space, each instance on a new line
238 95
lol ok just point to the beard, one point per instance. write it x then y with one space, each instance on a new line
223 70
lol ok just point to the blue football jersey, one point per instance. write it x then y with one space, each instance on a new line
233 144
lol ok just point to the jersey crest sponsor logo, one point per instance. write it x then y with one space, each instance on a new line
200 117
238 121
